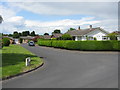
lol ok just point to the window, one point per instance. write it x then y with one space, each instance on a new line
90 38
104 38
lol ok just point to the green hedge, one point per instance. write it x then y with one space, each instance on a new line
82 45
89 45
6 41
115 45
42 42
59 43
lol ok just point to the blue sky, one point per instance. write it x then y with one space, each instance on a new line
33 16
46 17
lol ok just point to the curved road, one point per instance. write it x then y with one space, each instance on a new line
69 69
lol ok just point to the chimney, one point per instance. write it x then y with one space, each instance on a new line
79 28
90 26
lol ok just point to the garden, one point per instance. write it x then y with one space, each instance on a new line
13 59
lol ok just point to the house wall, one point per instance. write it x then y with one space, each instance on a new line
17 41
11 41
118 37
25 41
97 34
77 38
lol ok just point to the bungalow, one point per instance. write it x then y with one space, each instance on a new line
47 37
89 34
26 38
54 35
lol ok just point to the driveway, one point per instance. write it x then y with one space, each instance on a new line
69 69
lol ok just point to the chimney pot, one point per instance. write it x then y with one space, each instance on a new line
90 26
79 28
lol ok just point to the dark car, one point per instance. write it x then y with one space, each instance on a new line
31 43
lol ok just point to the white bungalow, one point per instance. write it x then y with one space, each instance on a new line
89 34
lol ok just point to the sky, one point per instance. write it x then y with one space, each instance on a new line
45 17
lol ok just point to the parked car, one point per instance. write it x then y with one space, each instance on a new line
31 43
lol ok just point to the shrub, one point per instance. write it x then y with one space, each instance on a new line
21 40
95 38
112 36
6 42
66 37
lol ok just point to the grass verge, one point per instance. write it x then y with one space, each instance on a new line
13 60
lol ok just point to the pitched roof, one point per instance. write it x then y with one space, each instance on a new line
47 36
26 37
8 37
84 31
117 32
56 35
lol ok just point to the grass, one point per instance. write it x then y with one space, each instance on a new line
13 60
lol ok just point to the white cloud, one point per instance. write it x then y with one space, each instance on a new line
15 19
65 22
101 9
63 25
106 14
19 24
6 13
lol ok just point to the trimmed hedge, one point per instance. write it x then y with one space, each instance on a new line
82 45
116 45
42 42
6 41
89 45
59 43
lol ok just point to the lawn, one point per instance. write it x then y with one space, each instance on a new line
13 60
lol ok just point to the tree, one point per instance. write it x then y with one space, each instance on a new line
32 33
16 34
25 33
20 34
46 33
112 36
56 31
71 29
5 35
66 37
10 35
21 40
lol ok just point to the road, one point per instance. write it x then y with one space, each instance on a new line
69 69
